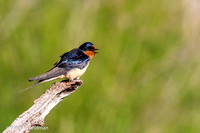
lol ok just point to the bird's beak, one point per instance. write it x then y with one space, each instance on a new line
95 51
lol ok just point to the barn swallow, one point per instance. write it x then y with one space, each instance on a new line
72 65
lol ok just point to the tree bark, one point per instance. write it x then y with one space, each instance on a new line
35 115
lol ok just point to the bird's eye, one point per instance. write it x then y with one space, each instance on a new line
91 48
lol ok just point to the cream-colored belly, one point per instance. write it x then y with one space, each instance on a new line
76 73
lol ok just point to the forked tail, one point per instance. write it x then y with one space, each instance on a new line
40 81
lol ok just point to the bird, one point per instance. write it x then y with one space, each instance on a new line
71 66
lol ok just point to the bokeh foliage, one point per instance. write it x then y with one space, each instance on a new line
145 79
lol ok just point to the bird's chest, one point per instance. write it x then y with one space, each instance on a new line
76 72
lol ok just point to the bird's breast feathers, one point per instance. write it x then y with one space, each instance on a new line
76 72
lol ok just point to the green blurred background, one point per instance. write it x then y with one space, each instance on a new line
145 79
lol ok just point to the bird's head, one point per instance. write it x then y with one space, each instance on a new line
88 49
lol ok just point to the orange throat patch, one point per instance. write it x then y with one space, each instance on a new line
90 54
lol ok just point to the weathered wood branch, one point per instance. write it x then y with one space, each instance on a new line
35 115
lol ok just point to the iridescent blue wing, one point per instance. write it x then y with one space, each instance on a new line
73 59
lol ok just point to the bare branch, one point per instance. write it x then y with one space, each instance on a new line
35 115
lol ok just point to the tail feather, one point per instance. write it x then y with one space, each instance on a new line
40 81
55 72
